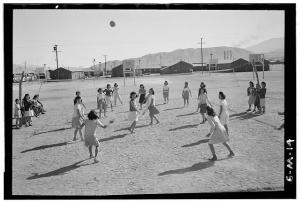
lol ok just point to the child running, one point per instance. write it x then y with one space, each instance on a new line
166 92
142 94
151 106
250 93
78 118
116 94
133 111
90 138
17 114
223 113
108 96
101 103
186 92
262 96
217 133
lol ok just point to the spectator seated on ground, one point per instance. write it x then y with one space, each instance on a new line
37 106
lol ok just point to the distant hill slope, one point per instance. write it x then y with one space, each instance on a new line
268 46
190 55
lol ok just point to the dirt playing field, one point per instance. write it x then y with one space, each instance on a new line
170 157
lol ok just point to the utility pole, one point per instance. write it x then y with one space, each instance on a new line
201 56
105 63
55 50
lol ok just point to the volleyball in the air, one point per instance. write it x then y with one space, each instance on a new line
112 23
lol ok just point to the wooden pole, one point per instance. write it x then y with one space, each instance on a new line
20 86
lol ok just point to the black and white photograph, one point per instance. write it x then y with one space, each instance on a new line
149 101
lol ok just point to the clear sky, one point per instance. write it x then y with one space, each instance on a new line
85 34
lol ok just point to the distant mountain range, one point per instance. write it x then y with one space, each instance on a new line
272 48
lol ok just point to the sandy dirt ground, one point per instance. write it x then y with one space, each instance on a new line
170 157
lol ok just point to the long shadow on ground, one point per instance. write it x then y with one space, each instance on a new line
196 143
189 114
184 127
60 171
46 146
51 131
195 167
244 115
172 108
142 126
112 137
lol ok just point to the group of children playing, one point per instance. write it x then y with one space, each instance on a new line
26 109
219 123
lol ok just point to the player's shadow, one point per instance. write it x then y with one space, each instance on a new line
60 171
172 108
244 115
195 167
45 147
189 114
141 126
184 127
113 137
51 131
196 143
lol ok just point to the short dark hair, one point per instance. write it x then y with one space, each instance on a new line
99 89
77 92
76 98
92 115
186 82
35 96
25 96
107 85
16 100
142 85
223 96
166 82
210 111
115 84
151 89
132 94
263 83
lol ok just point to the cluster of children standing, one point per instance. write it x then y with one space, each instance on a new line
257 97
26 109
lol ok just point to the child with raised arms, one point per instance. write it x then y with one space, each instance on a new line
90 138
116 94
217 133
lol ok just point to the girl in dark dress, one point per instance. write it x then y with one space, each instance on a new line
142 94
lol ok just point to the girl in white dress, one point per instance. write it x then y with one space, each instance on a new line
217 133
133 111
116 94
78 118
101 102
17 114
90 138
223 113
